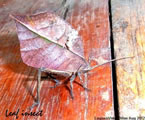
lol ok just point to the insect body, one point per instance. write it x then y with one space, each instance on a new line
50 44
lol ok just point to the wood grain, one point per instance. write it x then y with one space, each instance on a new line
18 81
129 39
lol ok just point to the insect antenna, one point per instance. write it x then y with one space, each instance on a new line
93 67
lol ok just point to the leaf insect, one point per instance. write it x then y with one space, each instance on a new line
50 44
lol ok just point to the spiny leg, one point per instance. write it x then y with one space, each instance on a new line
71 84
38 90
80 78
69 79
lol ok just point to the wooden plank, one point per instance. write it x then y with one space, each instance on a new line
129 37
18 81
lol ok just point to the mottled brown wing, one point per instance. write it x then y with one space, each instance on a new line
48 41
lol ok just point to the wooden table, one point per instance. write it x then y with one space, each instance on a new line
91 19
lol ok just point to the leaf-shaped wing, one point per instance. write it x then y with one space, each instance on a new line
48 41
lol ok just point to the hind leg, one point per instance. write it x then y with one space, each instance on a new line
38 89
37 101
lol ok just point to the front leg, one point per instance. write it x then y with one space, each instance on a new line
80 78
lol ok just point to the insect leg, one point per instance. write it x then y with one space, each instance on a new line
71 85
38 90
80 78
38 85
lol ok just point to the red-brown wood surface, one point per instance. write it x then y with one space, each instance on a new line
18 81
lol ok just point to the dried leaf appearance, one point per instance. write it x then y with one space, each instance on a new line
47 41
